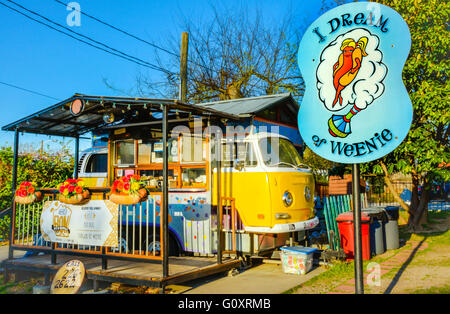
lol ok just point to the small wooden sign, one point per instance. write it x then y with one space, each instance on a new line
69 278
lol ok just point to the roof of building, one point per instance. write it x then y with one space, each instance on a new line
252 105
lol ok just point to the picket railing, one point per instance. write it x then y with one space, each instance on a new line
333 206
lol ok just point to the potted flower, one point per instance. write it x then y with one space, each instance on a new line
128 190
27 194
73 191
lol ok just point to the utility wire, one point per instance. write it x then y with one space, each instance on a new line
88 38
131 35
120 30
30 91
119 54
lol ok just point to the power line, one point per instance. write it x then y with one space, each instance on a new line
131 35
118 54
89 38
30 91
121 30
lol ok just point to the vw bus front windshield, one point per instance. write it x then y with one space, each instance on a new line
279 152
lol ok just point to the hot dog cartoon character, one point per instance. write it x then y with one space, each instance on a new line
348 65
350 77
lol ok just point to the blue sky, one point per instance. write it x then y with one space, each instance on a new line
37 58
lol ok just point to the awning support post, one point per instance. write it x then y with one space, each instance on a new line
165 196
13 190
219 200
77 153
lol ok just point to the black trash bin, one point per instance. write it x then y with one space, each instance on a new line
376 229
391 228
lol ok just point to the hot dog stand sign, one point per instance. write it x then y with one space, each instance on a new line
356 108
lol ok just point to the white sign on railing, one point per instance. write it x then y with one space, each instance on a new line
93 224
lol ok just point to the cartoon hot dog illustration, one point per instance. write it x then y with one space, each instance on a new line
340 70
348 64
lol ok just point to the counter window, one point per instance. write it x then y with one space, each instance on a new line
154 178
144 153
193 149
193 177
125 152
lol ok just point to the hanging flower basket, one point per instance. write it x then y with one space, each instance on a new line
73 192
27 194
128 190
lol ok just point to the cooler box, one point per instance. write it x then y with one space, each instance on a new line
296 259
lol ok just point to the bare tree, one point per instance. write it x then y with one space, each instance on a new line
235 54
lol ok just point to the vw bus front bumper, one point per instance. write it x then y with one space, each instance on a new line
284 228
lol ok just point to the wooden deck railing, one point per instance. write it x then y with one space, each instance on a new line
139 233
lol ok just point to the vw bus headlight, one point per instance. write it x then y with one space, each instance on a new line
287 199
307 193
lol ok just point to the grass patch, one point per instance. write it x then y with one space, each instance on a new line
337 274
25 287
434 290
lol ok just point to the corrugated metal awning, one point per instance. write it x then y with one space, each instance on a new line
60 120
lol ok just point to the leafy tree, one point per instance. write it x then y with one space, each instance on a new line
425 76
47 170
234 54
321 167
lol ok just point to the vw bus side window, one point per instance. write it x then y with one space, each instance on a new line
125 152
279 152
97 163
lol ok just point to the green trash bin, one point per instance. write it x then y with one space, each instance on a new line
391 228
376 229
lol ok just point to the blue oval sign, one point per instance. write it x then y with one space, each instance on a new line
356 108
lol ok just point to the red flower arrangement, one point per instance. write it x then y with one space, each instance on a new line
128 190
27 194
73 191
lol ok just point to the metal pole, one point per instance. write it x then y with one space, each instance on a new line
219 200
359 284
183 65
77 153
165 198
13 190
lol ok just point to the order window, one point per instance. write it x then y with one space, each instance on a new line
125 152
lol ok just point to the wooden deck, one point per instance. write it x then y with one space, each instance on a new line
181 269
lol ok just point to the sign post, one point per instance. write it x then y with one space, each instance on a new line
356 108
359 283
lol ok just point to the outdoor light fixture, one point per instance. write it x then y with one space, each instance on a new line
288 199
108 117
